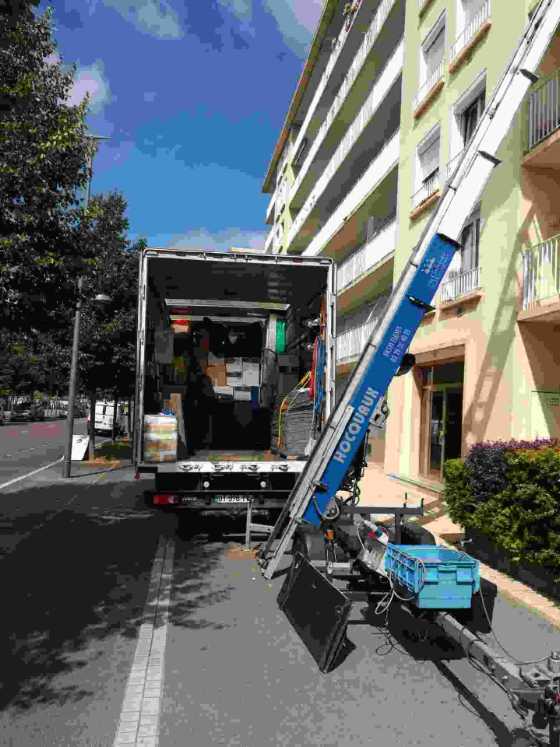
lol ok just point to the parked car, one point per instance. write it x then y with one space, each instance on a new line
28 411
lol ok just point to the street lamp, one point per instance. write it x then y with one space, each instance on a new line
76 341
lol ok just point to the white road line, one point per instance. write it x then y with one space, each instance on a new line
139 719
29 474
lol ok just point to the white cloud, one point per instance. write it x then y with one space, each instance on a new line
201 238
296 19
243 9
91 80
156 17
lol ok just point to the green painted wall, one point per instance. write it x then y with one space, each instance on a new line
492 323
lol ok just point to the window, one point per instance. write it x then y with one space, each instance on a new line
470 241
470 118
427 167
466 115
432 53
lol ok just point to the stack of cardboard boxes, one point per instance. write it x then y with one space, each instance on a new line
235 378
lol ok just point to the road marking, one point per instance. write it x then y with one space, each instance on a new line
29 474
139 719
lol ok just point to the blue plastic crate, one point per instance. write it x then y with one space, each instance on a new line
436 577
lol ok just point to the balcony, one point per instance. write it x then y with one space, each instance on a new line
541 282
381 89
429 89
426 196
355 331
370 38
460 285
336 51
470 36
381 245
377 171
543 124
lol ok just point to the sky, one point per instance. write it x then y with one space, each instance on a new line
193 95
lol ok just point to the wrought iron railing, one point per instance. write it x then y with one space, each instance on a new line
460 284
368 255
544 110
470 30
541 271
429 187
433 77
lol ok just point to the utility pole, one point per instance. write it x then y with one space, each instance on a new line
66 464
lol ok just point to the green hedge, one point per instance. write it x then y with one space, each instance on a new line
512 496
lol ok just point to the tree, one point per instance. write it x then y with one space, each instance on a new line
108 332
44 152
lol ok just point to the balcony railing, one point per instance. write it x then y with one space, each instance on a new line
370 37
544 110
460 284
270 208
428 188
541 272
367 256
354 334
470 31
337 46
371 104
425 88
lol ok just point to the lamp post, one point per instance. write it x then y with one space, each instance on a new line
75 344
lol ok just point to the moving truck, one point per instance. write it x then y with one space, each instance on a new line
235 374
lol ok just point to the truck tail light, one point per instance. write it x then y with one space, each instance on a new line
165 499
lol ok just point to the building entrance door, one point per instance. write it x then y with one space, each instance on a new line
442 419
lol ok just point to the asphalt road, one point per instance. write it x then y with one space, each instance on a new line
76 559
26 446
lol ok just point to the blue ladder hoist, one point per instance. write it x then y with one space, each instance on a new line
309 598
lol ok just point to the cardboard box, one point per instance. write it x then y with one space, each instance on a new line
251 374
215 360
224 391
234 379
234 365
217 375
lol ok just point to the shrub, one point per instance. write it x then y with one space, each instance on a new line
511 493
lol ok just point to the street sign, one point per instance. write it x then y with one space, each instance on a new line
79 447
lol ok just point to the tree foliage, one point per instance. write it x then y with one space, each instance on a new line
44 154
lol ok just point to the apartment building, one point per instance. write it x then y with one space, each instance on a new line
389 97
333 175
488 357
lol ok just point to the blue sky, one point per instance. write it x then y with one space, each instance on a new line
193 94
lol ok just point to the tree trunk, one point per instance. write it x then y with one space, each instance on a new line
92 402
115 406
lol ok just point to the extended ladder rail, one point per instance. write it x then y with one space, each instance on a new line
332 456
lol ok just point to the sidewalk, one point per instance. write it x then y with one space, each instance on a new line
379 489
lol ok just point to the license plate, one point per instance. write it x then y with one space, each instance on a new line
231 499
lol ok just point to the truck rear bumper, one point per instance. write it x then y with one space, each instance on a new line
180 501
